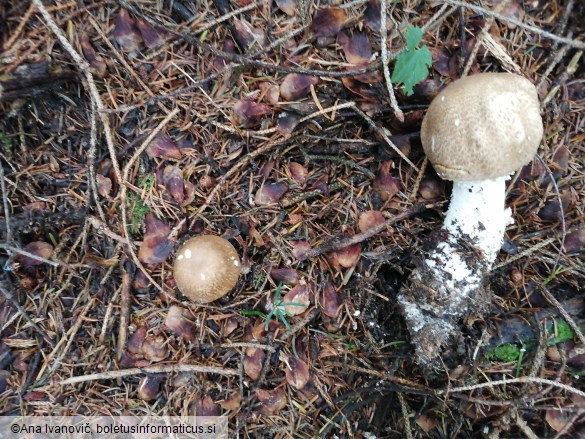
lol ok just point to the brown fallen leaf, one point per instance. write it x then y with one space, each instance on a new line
296 371
346 257
180 321
298 172
150 386
97 63
38 248
172 180
126 33
287 276
385 184
156 246
327 22
162 146
249 113
289 7
370 219
270 193
253 361
299 295
248 36
232 402
295 86
330 300
152 38
271 401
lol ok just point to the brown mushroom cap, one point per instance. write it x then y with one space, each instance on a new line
206 268
482 127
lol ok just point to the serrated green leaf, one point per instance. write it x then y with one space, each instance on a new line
412 64
413 36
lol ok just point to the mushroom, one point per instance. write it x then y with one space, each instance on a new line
206 268
476 133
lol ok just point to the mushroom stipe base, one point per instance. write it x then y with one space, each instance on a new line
432 312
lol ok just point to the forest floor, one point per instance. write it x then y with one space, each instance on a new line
129 127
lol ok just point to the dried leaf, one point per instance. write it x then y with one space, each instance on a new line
369 219
134 345
205 406
298 295
509 8
253 361
289 7
38 248
295 86
173 182
300 248
385 184
575 241
330 300
298 172
155 246
357 47
270 93
104 185
296 371
97 62
126 33
346 257
154 348
426 423
556 419
152 38
163 146
250 113
180 321
287 122
150 386
270 193
287 276
249 36
272 401
233 402
327 22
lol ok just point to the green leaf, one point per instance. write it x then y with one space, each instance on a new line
412 64
413 37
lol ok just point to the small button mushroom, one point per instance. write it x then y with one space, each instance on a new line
476 132
206 268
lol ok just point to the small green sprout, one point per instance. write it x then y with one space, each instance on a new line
278 309
507 352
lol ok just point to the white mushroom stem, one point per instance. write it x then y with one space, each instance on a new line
476 217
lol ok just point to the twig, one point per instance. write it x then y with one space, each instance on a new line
165 368
124 189
383 134
519 380
246 60
90 83
28 254
9 238
124 309
574 43
535 248
338 244
384 43
405 414
563 313
10 297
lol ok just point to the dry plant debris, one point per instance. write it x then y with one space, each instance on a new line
128 127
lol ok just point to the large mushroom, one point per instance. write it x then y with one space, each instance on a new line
206 268
476 133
